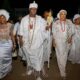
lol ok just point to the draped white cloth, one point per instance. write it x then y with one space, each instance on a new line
48 41
61 40
5 58
33 47
74 55
5 49
47 46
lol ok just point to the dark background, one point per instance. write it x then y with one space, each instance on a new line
72 6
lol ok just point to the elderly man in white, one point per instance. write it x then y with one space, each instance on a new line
32 35
74 55
62 33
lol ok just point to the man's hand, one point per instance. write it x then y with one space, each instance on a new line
47 28
70 40
54 44
20 41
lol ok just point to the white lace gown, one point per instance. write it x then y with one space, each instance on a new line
61 40
74 55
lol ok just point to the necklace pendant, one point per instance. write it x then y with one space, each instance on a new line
62 27
31 26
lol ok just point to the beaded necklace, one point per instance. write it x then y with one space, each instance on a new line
31 40
62 27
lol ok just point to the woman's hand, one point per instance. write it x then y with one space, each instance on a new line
14 46
21 43
47 28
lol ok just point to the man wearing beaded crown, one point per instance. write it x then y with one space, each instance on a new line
32 35
62 33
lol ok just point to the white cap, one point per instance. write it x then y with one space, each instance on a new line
58 15
63 11
76 16
4 13
33 5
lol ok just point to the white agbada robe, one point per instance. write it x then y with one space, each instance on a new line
61 41
74 55
33 50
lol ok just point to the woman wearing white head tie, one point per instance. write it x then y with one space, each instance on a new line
5 44
62 33
32 35
74 55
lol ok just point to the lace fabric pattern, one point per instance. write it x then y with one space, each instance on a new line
5 32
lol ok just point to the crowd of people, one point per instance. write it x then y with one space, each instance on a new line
32 39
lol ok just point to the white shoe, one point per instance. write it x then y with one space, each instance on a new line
29 72
14 54
38 78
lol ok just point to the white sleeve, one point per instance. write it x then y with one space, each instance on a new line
20 29
71 29
15 28
43 25
54 29
43 28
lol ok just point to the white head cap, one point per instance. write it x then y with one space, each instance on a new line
33 5
76 16
4 13
58 15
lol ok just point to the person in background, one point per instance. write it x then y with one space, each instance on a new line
74 55
15 33
48 42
